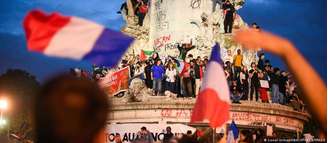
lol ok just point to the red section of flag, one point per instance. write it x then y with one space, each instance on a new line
143 56
213 102
210 106
40 28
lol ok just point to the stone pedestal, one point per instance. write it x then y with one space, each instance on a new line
166 109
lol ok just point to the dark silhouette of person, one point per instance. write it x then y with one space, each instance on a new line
168 135
188 138
69 109
229 14
184 49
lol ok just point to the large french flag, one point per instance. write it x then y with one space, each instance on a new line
213 102
74 38
233 133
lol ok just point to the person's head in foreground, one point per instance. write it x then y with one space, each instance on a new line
70 110
189 133
245 136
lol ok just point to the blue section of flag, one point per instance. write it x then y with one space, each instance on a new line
215 55
234 129
109 48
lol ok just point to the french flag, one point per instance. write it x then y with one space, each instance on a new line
74 38
233 133
213 102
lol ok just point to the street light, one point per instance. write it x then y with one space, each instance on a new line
3 107
3 122
3 104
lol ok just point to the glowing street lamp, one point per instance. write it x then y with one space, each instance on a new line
3 104
3 107
3 122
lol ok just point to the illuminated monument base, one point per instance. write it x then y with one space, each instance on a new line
169 111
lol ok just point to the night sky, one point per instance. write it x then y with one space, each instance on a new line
301 21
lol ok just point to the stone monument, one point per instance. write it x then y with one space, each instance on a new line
169 23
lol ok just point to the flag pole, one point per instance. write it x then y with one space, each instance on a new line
213 135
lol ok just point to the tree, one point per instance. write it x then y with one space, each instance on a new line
20 88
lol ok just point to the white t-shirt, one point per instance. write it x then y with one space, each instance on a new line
170 75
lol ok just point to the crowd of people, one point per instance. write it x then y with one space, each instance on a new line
170 74
259 82
205 135
255 82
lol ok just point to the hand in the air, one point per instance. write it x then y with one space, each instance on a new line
253 39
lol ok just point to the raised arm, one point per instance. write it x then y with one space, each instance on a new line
312 86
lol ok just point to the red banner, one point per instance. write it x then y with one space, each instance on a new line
115 82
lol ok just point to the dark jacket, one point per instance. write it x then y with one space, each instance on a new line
282 82
230 10
148 71
197 71
167 137
260 64
274 79
187 139
255 80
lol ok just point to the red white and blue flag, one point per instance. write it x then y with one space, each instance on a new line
213 101
74 38
233 133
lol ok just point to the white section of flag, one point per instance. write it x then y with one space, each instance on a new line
66 42
230 138
215 79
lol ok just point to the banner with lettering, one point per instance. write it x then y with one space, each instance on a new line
129 132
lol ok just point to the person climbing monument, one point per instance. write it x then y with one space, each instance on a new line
229 11
142 11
